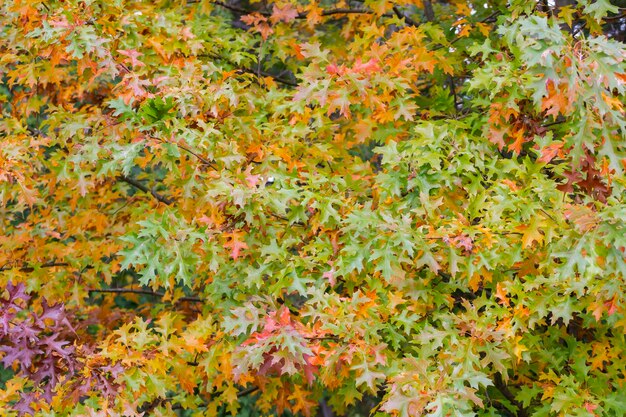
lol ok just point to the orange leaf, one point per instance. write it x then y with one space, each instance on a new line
549 152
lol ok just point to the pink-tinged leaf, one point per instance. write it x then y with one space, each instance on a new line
612 307
369 67
23 405
205 220
187 34
309 369
286 14
50 312
252 180
333 69
53 345
23 353
590 408
497 137
284 316
132 55
235 244
17 292
330 276
340 102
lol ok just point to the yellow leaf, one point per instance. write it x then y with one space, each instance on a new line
531 232
614 102
484 29
518 348
566 14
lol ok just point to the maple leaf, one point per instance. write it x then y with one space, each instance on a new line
370 67
520 139
501 294
340 102
235 244
583 217
549 152
518 348
285 13
379 131
16 292
252 180
496 136
132 55
531 232
556 101
367 376
21 353
258 23
330 276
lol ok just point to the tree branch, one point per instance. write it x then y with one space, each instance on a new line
197 155
30 268
406 18
344 11
236 9
504 390
302 15
140 186
149 406
269 74
458 38
247 70
429 13
142 292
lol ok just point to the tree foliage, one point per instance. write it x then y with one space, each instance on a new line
410 208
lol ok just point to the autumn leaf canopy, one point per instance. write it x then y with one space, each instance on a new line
292 207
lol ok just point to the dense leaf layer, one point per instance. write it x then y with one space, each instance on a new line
411 208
